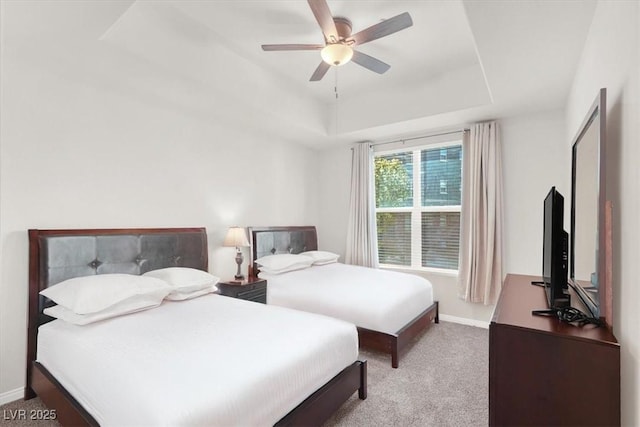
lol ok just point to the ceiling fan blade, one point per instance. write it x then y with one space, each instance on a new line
319 73
270 47
384 28
369 62
321 11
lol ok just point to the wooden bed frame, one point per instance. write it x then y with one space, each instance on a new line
296 239
56 255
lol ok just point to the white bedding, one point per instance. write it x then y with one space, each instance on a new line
213 360
380 300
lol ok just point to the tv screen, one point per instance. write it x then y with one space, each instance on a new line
554 251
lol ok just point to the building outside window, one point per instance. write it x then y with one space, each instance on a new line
443 186
443 154
418 196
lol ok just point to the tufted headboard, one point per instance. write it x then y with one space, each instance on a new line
57 255
281 240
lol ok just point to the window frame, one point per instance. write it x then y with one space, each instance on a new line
417 209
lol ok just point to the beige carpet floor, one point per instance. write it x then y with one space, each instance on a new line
442 381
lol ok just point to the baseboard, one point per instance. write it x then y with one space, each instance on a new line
11 396
464 321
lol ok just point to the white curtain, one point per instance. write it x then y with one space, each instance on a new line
362 240
480 271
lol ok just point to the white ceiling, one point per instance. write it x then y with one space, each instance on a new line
461 61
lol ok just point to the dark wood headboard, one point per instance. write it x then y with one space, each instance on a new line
58 255
280 240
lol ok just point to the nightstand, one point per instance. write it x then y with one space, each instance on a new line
251 289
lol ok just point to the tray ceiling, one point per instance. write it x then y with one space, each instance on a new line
460 61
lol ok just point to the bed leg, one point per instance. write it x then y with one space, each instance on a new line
437 319
362 391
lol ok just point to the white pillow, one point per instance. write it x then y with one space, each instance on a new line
276 264
91 294
284 270
185 282
131 305
321 257
179 295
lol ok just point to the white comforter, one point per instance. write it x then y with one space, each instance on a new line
380 300
213 360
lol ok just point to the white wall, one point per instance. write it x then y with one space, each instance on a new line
611 59
528 142
534 159
78 153
334 190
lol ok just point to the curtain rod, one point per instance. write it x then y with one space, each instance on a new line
371 144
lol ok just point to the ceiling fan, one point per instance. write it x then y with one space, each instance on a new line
339 42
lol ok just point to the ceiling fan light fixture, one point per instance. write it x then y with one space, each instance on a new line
336 54
338 40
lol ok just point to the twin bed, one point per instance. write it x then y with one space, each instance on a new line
211 360
389 308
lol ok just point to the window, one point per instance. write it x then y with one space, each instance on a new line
443 154
443 186
418 195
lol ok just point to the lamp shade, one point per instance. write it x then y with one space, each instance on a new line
236 236
336 54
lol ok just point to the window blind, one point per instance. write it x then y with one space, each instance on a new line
440 239
394 237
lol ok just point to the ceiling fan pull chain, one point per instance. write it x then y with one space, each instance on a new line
335 88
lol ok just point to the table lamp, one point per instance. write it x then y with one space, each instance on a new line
237 237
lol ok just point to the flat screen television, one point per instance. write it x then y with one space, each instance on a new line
555 251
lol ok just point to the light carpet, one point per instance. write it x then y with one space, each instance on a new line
442 380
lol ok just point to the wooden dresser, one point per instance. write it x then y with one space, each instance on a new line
546 372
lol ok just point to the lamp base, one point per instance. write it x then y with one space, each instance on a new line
239 259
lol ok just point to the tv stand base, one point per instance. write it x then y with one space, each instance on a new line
550 312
